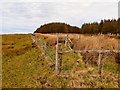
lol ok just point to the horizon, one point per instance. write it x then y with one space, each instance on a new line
26 17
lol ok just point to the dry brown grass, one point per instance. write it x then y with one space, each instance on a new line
85 42
51 41
96 42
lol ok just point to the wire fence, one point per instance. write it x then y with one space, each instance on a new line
49 52
58 56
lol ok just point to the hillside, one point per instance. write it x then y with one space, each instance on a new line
25 66
57 28
105 27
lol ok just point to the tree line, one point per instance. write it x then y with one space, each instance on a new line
105 27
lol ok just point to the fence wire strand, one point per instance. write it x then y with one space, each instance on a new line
48 51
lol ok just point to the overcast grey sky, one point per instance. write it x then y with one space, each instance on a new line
24 16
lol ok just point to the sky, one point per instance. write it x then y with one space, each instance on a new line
25 16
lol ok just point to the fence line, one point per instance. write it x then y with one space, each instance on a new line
46 50
90 51
68 41
56 57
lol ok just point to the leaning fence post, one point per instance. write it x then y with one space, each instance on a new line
66 40
36 39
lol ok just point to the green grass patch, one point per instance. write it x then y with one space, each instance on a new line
24 66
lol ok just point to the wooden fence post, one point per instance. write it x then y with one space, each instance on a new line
45 47
66 40
78 38
100 62
36 40
58 57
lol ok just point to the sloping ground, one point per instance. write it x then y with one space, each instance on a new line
24 66
22 63
19 59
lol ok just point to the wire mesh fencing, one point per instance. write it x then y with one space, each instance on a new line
48 51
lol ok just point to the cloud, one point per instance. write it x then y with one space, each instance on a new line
119 9
27 16
59 1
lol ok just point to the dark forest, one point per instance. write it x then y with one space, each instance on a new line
104 27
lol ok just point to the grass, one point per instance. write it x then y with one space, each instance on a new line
87 42
19 62
110 65
69 60
24 66
94 42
